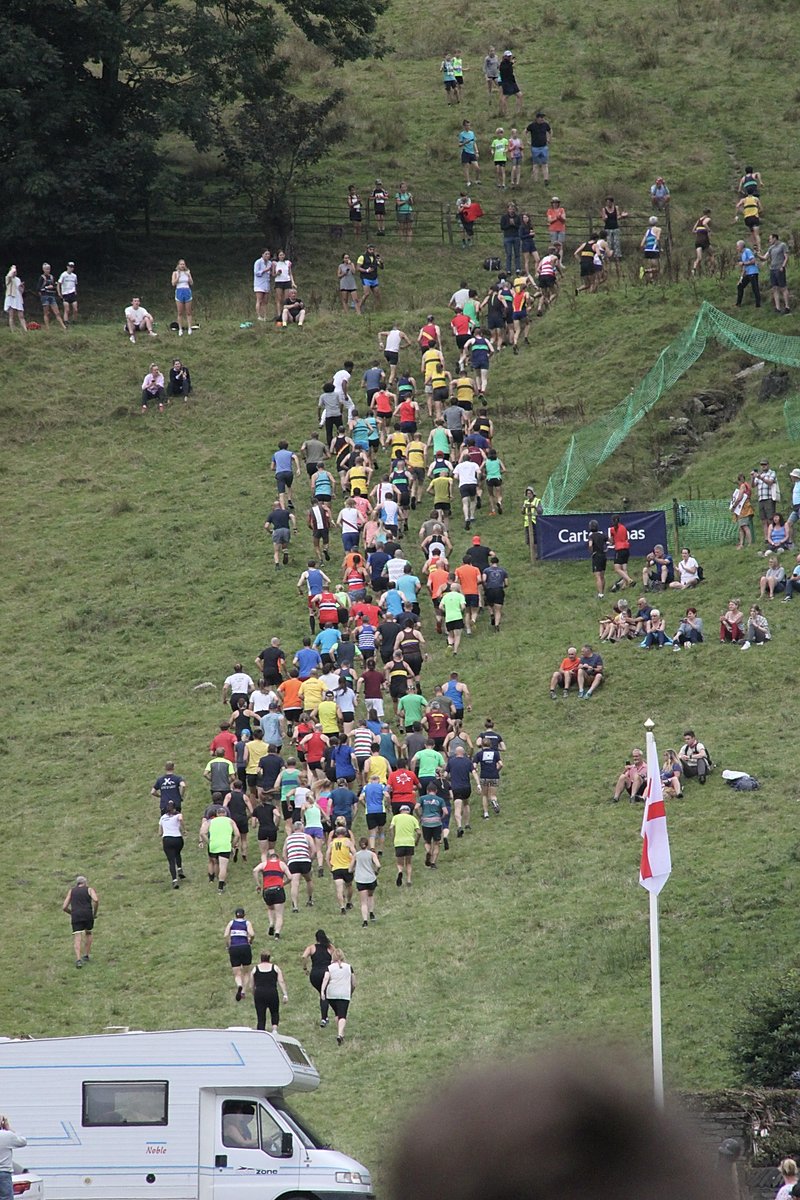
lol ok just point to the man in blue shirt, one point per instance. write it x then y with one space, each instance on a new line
749 276
284 463
461 771
374 797
326 642
306 659
376 561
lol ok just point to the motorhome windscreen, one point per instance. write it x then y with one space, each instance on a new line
126 1103
307 1136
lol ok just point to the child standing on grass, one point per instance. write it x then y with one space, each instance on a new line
515 151
500 156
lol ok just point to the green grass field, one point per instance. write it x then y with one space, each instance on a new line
136 567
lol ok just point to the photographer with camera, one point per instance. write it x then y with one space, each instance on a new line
9 1141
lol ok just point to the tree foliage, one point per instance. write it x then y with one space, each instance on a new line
89 88
766 1045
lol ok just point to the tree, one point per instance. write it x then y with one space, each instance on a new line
88 88
766 1045
269 151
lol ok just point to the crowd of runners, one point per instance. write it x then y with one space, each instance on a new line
347 749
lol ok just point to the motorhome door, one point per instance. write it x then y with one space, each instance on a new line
254 1156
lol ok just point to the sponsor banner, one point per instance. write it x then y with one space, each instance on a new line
566 536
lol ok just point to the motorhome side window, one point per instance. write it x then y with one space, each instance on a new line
126 1103
248 1126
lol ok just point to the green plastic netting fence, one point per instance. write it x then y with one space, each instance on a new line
791 416
593 444
705 523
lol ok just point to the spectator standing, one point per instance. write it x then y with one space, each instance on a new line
282 281
9 1141
765 481
15 299
404 208
68 292
508 82
556 222
379 199
500 156
263 271
183 283
48 294
540 134
81 904
510 228
491 71
468 144
659 195
346 277
749 277
742 512
777 256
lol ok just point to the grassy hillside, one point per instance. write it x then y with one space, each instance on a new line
137 568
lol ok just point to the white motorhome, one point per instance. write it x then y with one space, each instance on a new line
184 1114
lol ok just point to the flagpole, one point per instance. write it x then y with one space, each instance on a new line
655 974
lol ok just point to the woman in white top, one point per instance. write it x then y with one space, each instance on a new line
283 279
182 282
14 302
337 988
171 829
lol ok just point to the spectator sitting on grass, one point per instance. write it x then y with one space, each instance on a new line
180 381
641 616
567 671
294 309
619 625
153 387
671 772
688 570
757 628
773 580
590 672
633 778
690 630
656 631
793 584
779 535
731 623
694 758
658 571
138 318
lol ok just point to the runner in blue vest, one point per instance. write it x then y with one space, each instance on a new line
239 937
